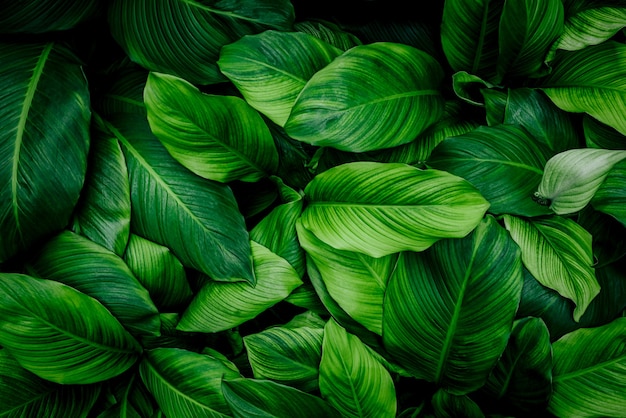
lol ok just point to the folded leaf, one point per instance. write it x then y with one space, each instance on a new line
610 197
44 16
590 24
379 209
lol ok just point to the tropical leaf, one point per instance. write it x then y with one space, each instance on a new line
557 252
210 238
196 31
610 197
186 384
328 32
448 405
132 399
590 372
590 25
220 306
469 87
270 69
571 178
449 310
60 334
599 135
496 102
352 380
43 83
217 137
400 101
44 16
382 208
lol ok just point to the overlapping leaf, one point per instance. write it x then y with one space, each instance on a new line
44 16
590 24
611 195
449 405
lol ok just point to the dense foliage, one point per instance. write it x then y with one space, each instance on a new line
266 208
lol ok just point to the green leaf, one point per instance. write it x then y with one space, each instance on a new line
93 270
527 30
591 80
186 384
379 209
270 69
217 137
449 310
590 372
557 252
599 135
591 24
469 87
219 306
571 178
469 35
60 334
208 237
196 31
352 380
24 394
503 162
401 100
328 32
448 405
357 282
44 162
264 398
44 15
610 197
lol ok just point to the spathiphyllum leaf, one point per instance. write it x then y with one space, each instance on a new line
196 31
60 334
371 97
610 197
600 135
557 251
448 405
571 178
43 161
449 310
383 208
270 69
328 32
590 372
44 16
466 86
352 380
591 24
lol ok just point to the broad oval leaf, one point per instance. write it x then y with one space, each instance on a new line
557 252
590 24
382 208
571 178
270 69
196 31
449 310
60 334
44 162
219 306
590 372
371 97
610 197
44 15
352 380
217 137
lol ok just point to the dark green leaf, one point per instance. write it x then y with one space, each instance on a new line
446 405
599 135
610 197
328 32
39 16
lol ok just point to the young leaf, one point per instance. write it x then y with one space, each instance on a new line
449 310
60 334
383 208
590 24
610 197
371 97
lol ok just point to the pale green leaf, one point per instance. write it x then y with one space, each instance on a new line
591 25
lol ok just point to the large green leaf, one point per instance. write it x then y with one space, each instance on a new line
60 334
371 97
571 178
196 218
270 69
328 32
590 24
186 384
43 161
557 252
611 195
93 270
184 37
449 310
592 80
217 137
24 394
503 162
352 379
590 372
219 306
379 209
38 16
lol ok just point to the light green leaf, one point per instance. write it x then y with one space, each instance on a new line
352 380
60 334
557 252
449 310
44 15
196 31
383 208
401 100
590 25
219 306
44 162
571 178
217 137
610 197
447 405
270 69
590 372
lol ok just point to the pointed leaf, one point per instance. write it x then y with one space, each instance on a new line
610 197
591 25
